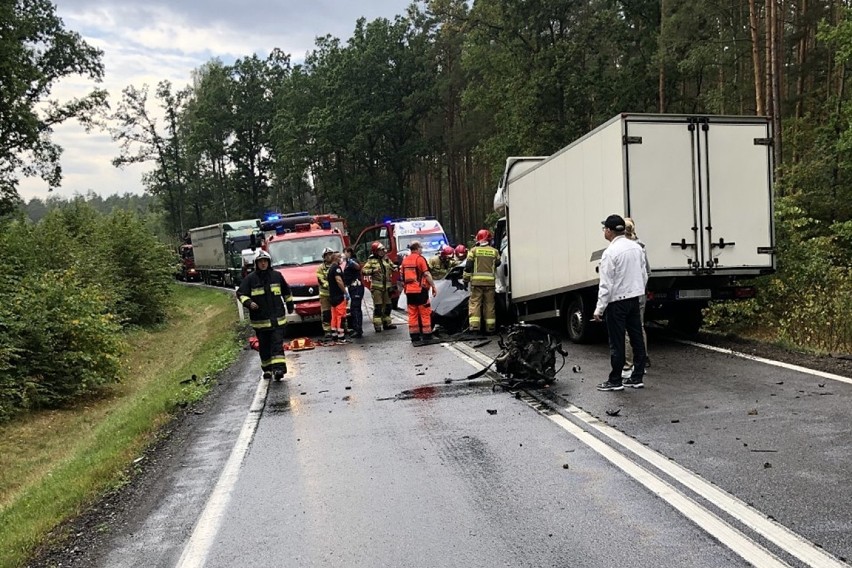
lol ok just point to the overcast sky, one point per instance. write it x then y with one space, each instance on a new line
147 41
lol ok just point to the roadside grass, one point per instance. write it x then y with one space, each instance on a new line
54 463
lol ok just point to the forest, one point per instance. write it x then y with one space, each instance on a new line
416 116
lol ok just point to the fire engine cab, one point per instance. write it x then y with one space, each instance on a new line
295 242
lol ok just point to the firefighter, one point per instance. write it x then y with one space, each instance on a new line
265 293
322 278
480 271
418 281
380 270
442 263
461 253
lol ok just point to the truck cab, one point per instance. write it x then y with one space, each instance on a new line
396 235
296 251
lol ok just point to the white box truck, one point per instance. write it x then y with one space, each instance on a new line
218 249
698 187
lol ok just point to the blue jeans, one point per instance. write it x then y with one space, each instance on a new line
622 316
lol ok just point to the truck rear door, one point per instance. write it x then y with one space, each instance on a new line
700 191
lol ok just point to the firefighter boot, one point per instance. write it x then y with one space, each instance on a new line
415 338
427 339
388 326
280 372
267 375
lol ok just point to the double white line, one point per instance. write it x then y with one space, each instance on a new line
569 416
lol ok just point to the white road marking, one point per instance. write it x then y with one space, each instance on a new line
198 547
773 531
830 376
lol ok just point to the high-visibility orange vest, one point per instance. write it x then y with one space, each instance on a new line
414 270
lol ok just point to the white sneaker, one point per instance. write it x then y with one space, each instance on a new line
626 373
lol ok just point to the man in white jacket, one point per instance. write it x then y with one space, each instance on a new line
623 277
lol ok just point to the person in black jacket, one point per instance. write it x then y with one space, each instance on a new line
265 293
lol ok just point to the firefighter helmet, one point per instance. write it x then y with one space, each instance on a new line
447 251
262 255
376 247
461 252
327 251
483 236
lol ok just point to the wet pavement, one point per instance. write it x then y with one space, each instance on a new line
380 454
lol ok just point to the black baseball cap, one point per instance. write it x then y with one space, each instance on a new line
615 223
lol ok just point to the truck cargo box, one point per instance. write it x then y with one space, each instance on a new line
698 187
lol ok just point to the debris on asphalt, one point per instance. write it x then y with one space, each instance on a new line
420 374
492 411
348 388
614 411
576 368
347 397
691 442
767 465
565 466
752 412
675 421
447 381
482 344
765 451
780 383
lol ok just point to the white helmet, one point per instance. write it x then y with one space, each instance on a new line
326 251
262 255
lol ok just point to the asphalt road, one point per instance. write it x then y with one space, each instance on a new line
367 456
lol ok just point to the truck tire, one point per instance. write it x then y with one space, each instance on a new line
687 319
578 312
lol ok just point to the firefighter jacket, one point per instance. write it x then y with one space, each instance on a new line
481 266
414 269
322 278
439 267
268 289
380 271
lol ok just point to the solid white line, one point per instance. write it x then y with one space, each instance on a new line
199 544
789 366
773 531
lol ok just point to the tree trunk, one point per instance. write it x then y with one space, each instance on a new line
776 82
760 109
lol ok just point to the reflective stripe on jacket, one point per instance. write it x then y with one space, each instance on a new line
322 278
481 266
380 271
268 289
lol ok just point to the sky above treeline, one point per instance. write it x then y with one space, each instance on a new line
147 41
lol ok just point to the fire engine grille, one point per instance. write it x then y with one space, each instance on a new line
304 291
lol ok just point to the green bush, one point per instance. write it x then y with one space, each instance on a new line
61 342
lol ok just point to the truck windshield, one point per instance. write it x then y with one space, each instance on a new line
308 250
431 243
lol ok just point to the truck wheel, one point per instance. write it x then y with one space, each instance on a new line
578 313
687 319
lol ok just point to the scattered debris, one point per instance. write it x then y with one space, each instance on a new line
447 381
565 466
576 368
614 411
420 374
752 412
191 379
482 344
821 385
492 411
322 391
767 465
765 451
347 397
780 383
675 421
303 393
419 365
691 442
348 388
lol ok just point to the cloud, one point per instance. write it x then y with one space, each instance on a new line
149 41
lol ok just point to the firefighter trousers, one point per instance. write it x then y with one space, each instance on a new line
325 309
482 299
270 345
381 308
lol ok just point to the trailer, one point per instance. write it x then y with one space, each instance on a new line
698 187
218 250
